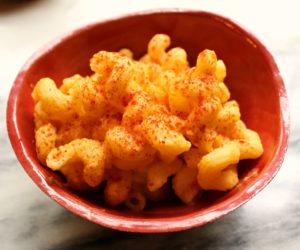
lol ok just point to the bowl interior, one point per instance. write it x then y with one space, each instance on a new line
250 77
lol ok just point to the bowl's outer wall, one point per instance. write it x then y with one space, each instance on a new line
252 78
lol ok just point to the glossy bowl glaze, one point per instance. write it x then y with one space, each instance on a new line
253 79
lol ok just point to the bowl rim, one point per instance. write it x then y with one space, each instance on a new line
143 225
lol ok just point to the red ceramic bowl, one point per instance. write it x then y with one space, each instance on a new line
253 80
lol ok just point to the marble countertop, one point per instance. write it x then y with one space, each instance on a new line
31 220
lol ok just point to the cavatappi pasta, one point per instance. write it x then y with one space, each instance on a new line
133 124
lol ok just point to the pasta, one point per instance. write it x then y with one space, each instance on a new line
142 128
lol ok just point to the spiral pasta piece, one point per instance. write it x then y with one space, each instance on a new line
90 152
211 167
